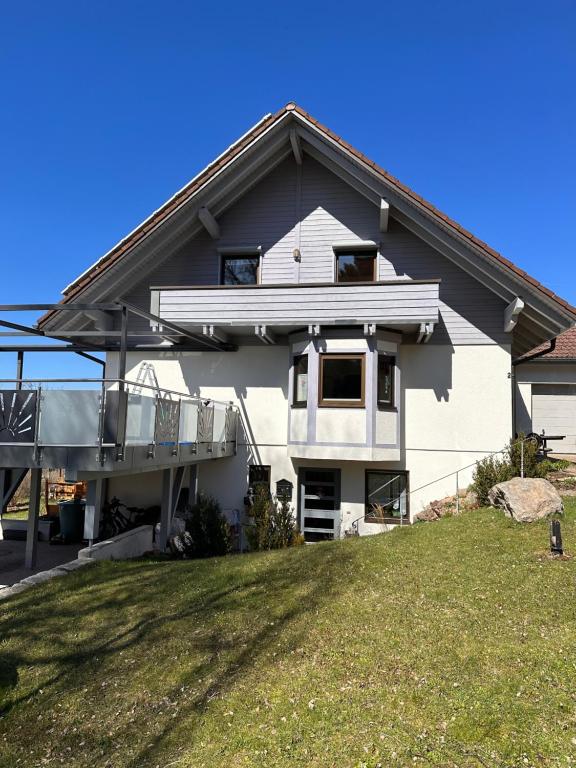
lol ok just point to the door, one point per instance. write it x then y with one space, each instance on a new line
319 503
554 411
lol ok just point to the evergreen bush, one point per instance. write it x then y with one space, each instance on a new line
274 523
208 528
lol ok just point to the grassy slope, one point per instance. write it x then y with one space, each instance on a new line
448 644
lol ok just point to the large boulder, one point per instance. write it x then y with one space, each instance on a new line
526 499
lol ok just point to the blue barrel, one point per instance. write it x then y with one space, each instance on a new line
72 520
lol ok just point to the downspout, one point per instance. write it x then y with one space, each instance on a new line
519 361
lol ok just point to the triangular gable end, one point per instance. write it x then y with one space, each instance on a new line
292 131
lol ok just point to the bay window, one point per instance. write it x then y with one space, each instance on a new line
342 380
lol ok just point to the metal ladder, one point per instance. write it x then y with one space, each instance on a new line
145 372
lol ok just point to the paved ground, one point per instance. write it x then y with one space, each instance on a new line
565 456
49 556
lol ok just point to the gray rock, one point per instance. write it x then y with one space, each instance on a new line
73 565
526 499
470 500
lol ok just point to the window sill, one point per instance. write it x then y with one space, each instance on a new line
341 405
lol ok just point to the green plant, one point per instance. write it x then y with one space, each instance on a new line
285 532
208 528
493 470
258 534
552 465
274 525
514 457
489 472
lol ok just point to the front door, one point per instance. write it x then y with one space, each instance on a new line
319 503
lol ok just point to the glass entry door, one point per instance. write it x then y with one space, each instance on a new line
319 502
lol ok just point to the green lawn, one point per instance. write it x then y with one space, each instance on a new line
444 644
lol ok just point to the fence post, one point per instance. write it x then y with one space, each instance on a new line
457 495
521 458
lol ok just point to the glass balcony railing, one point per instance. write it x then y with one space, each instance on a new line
110 412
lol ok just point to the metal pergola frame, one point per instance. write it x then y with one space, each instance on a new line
84 342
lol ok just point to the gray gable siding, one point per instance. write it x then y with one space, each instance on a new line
330 211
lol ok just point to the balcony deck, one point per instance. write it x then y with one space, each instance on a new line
109 427
403 304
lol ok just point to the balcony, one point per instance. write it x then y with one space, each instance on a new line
401 304
108 426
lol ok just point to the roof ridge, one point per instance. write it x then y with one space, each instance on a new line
141 231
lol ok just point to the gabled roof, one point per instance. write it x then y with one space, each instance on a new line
563 349
267 124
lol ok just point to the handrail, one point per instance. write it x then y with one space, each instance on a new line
517 441
121 381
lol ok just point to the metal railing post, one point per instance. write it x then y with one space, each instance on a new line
521 458
177 436
37 448
457 494
101 424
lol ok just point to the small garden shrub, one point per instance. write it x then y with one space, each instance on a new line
274 523
489 472
207 528
493 470
553 465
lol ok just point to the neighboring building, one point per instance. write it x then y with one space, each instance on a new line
546 391
366 339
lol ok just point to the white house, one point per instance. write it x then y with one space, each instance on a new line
365 339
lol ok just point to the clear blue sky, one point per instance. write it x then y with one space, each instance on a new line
110 107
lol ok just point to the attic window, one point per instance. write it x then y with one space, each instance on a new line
240 269
356 266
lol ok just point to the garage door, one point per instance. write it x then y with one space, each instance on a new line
554 411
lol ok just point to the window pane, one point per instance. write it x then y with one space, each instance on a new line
258 474
319 522
300 380
385 495
342 379
355 267
321 504
320 476
385 380
240 271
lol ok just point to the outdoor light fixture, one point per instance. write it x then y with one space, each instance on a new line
556 538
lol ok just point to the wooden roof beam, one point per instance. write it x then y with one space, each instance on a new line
511 314
296 146
384 215
209 223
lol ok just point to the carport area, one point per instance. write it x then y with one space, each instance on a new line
554 412
12 554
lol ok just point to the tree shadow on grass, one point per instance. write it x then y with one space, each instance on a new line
223 615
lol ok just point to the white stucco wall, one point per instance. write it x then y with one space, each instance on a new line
341 425
456 406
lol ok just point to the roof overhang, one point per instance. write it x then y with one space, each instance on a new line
230 176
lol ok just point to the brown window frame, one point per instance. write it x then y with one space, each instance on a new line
361 253
322 403
382 405
404 519
224 257
295 360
